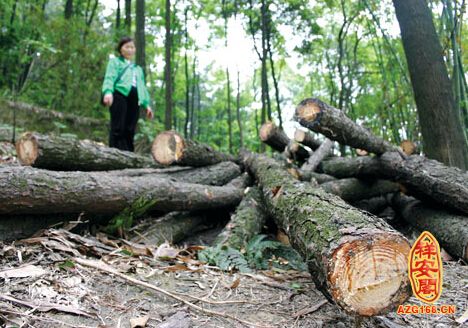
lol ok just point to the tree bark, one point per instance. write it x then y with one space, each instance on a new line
340 243
319 177
140 57
245 223
441 127
70 154
68 9
35 191
306 139
347 167
449 228
335 125
352 189
128 16
171 148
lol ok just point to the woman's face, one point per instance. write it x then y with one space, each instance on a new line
128 50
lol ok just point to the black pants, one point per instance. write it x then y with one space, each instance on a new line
124 114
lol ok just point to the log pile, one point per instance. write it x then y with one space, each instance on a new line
322 202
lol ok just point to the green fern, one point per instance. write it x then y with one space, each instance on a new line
225 258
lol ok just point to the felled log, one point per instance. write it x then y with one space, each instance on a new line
170 148
173 227
296 152
277 139
70 154
319 177
352 189
450 228
346 167
314 160
335 125
245 223
374 205
306 139
356 259
27 190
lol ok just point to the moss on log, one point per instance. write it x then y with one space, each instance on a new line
356 259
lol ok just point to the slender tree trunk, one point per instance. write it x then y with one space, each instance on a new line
239 119
187 79
168 70
443 135
117 19
140 34
68 9
128 16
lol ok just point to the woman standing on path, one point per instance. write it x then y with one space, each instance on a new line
124 90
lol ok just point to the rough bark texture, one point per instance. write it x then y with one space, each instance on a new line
70 154
352 189
306 139
314 160
319 177
277 139
440 122
335 125
245 223
346 167
33 191
374 205
428 179
450 229
356 259
169 147
174 227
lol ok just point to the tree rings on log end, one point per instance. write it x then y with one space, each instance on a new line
309 110
408 147
265 130
299 135
27 149
369 275
168 147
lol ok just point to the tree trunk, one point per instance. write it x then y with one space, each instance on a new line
68 9
168 68
118 15
140 57
441 127
356 259
319 177
128 16
70 154
314 160
34 191
335 125
245 223
449 228
352 189
238 111
347 167
278 140
170 148
306 139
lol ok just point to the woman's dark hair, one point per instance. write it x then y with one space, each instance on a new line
123 40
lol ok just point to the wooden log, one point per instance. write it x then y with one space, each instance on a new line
307 139
352 189
374 205
335 125
70 154
356 259
450 228
347 167
171 148
26 190
314 160
173 227
277 139
319 177
245 223
409 147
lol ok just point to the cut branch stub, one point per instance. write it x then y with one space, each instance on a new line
277 139
335 125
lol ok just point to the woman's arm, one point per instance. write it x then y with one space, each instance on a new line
109 78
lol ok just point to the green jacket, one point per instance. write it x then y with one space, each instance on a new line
124 85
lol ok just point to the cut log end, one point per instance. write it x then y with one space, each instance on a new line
168 147
408 147
27 149
299 135
308 110
369 276
266 130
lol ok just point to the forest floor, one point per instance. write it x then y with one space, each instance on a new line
43 283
